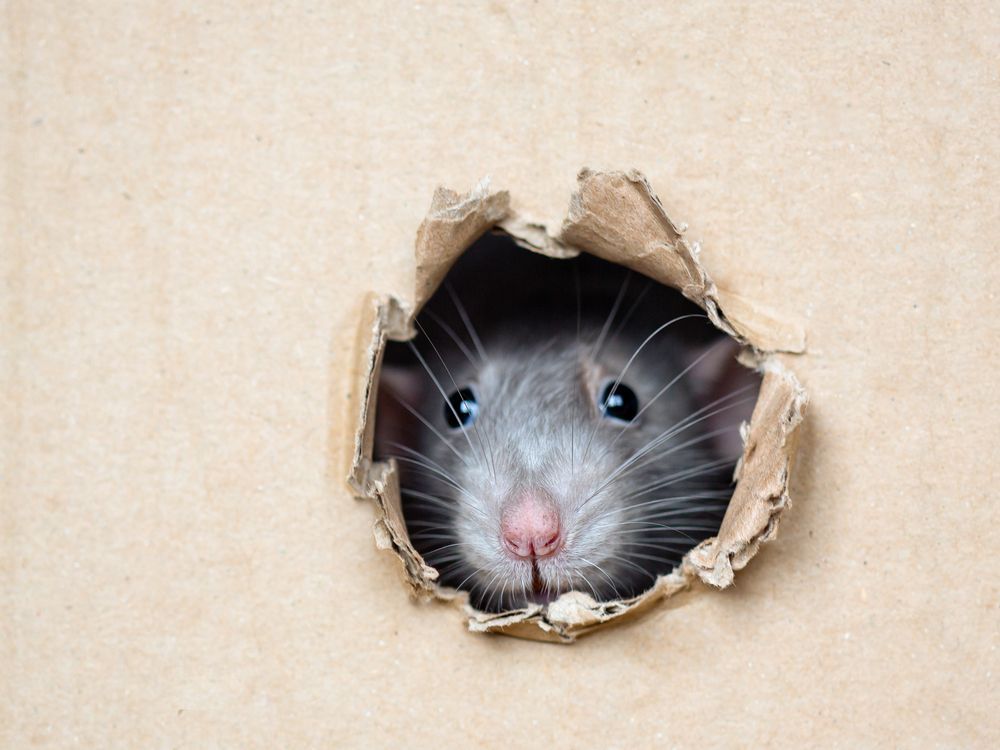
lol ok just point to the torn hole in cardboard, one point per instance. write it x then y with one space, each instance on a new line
616 217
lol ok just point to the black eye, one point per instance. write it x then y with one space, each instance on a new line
461 408
619 402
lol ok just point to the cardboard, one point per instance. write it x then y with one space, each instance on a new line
615 216
196 201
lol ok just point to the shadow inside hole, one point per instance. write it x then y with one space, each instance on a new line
559 425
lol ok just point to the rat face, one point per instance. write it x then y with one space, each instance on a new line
559 465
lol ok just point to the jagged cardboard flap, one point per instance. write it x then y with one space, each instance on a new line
615 216
452 225
761 493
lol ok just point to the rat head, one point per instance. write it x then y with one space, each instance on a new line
560 463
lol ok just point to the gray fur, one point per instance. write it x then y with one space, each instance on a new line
539 424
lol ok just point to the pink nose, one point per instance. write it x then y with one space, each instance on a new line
529 525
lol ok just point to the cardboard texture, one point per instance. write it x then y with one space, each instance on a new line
198 201
615 216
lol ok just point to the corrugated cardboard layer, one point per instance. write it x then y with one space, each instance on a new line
196 200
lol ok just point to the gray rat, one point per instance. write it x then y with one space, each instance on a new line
551 452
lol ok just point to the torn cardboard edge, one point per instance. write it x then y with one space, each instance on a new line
617 217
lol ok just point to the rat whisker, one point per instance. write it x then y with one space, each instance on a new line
423 535
428 525
635 305
439 559
489 444
429 426
558 587
447 565
702 530
680 476
473 573
437 500
579 295
652 558
682 549
440 389
579 321
650 534
417 458
448 401
718 509
446 570
710 350
649 525
642 570
611 315
631 359
716 407
427 476
603 573
589 584
674 500
646 523
672 432
464 315
679 504
490 586
641 459
671 501
652 520
453 336
697 417
432 473
663 449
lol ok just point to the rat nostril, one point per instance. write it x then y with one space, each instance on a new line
548 546
531 545
529 526
516 543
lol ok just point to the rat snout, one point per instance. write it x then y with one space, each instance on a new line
529 525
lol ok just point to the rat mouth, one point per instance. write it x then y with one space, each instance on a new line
537 584
541 591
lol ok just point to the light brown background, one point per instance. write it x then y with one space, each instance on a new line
196 199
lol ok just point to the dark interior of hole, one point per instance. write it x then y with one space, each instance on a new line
559 425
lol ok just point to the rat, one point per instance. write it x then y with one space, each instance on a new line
558 452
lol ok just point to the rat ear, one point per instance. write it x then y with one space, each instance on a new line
400 393
715 375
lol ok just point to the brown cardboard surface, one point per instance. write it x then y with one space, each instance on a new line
197 201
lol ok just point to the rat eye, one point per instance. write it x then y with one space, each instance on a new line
461 408
618 402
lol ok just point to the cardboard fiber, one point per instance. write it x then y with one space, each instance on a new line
197 200
615 216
